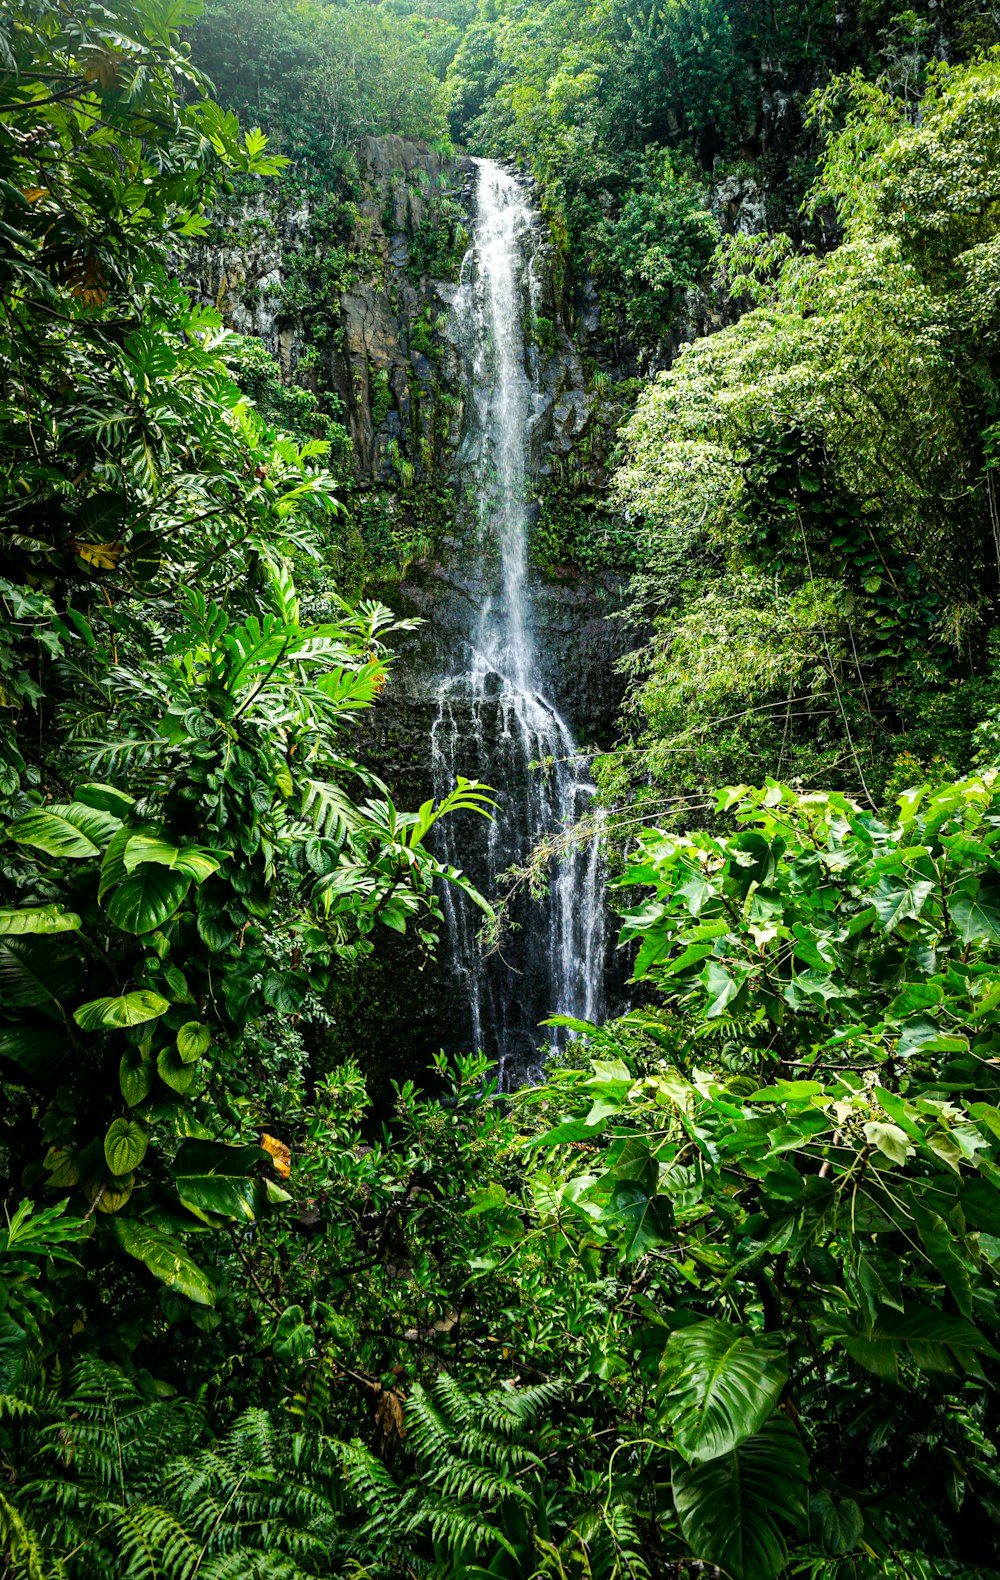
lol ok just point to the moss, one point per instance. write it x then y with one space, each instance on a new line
386 529
380 396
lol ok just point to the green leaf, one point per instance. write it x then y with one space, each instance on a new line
293 1338
188 859
898 901
193 1040
719 1387
840 1524
173 1070
166 1258
132 1009
941 1246
38 919
889 1139
13 1349
720 989
73 831
105 798
125 1145
40 1052
647 1220
213 1181
135 1077
38 970
732 1510
975 918
936 1340
147 899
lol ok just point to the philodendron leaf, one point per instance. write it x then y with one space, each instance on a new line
838 1524
732 1510
131 1009
124 1146
718 1387
166 1257
147 899
39 970
193 1040
38 919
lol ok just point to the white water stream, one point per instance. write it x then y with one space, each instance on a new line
493 719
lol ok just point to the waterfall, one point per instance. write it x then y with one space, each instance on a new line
493 720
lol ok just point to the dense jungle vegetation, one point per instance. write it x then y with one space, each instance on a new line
721 1297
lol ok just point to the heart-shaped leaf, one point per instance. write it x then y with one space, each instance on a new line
193 1040
173 1070
147 899
125 1145
135 1077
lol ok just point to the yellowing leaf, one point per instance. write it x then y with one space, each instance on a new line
280 1154
103 556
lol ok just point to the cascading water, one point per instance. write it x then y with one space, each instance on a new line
493 722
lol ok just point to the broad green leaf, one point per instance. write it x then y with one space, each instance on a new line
105 798
39 1051
293 1338
73 831
647 1221
135 1077
132 1009
193 1040
889 1139
718 1387
147 899
981 1204
898 901
720 990
839 1524
936 1340
213 1180
175 1072
976 919
188 859
13 1349
55 835
125 1146
39 970
167 1258
942 1248
38 919
734 1510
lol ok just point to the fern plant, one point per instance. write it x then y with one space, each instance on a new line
477 1498
120 1484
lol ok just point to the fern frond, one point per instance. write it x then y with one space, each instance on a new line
23 1545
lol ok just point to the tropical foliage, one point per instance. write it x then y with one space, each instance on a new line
720 1296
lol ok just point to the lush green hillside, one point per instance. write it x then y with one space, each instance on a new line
720 1297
